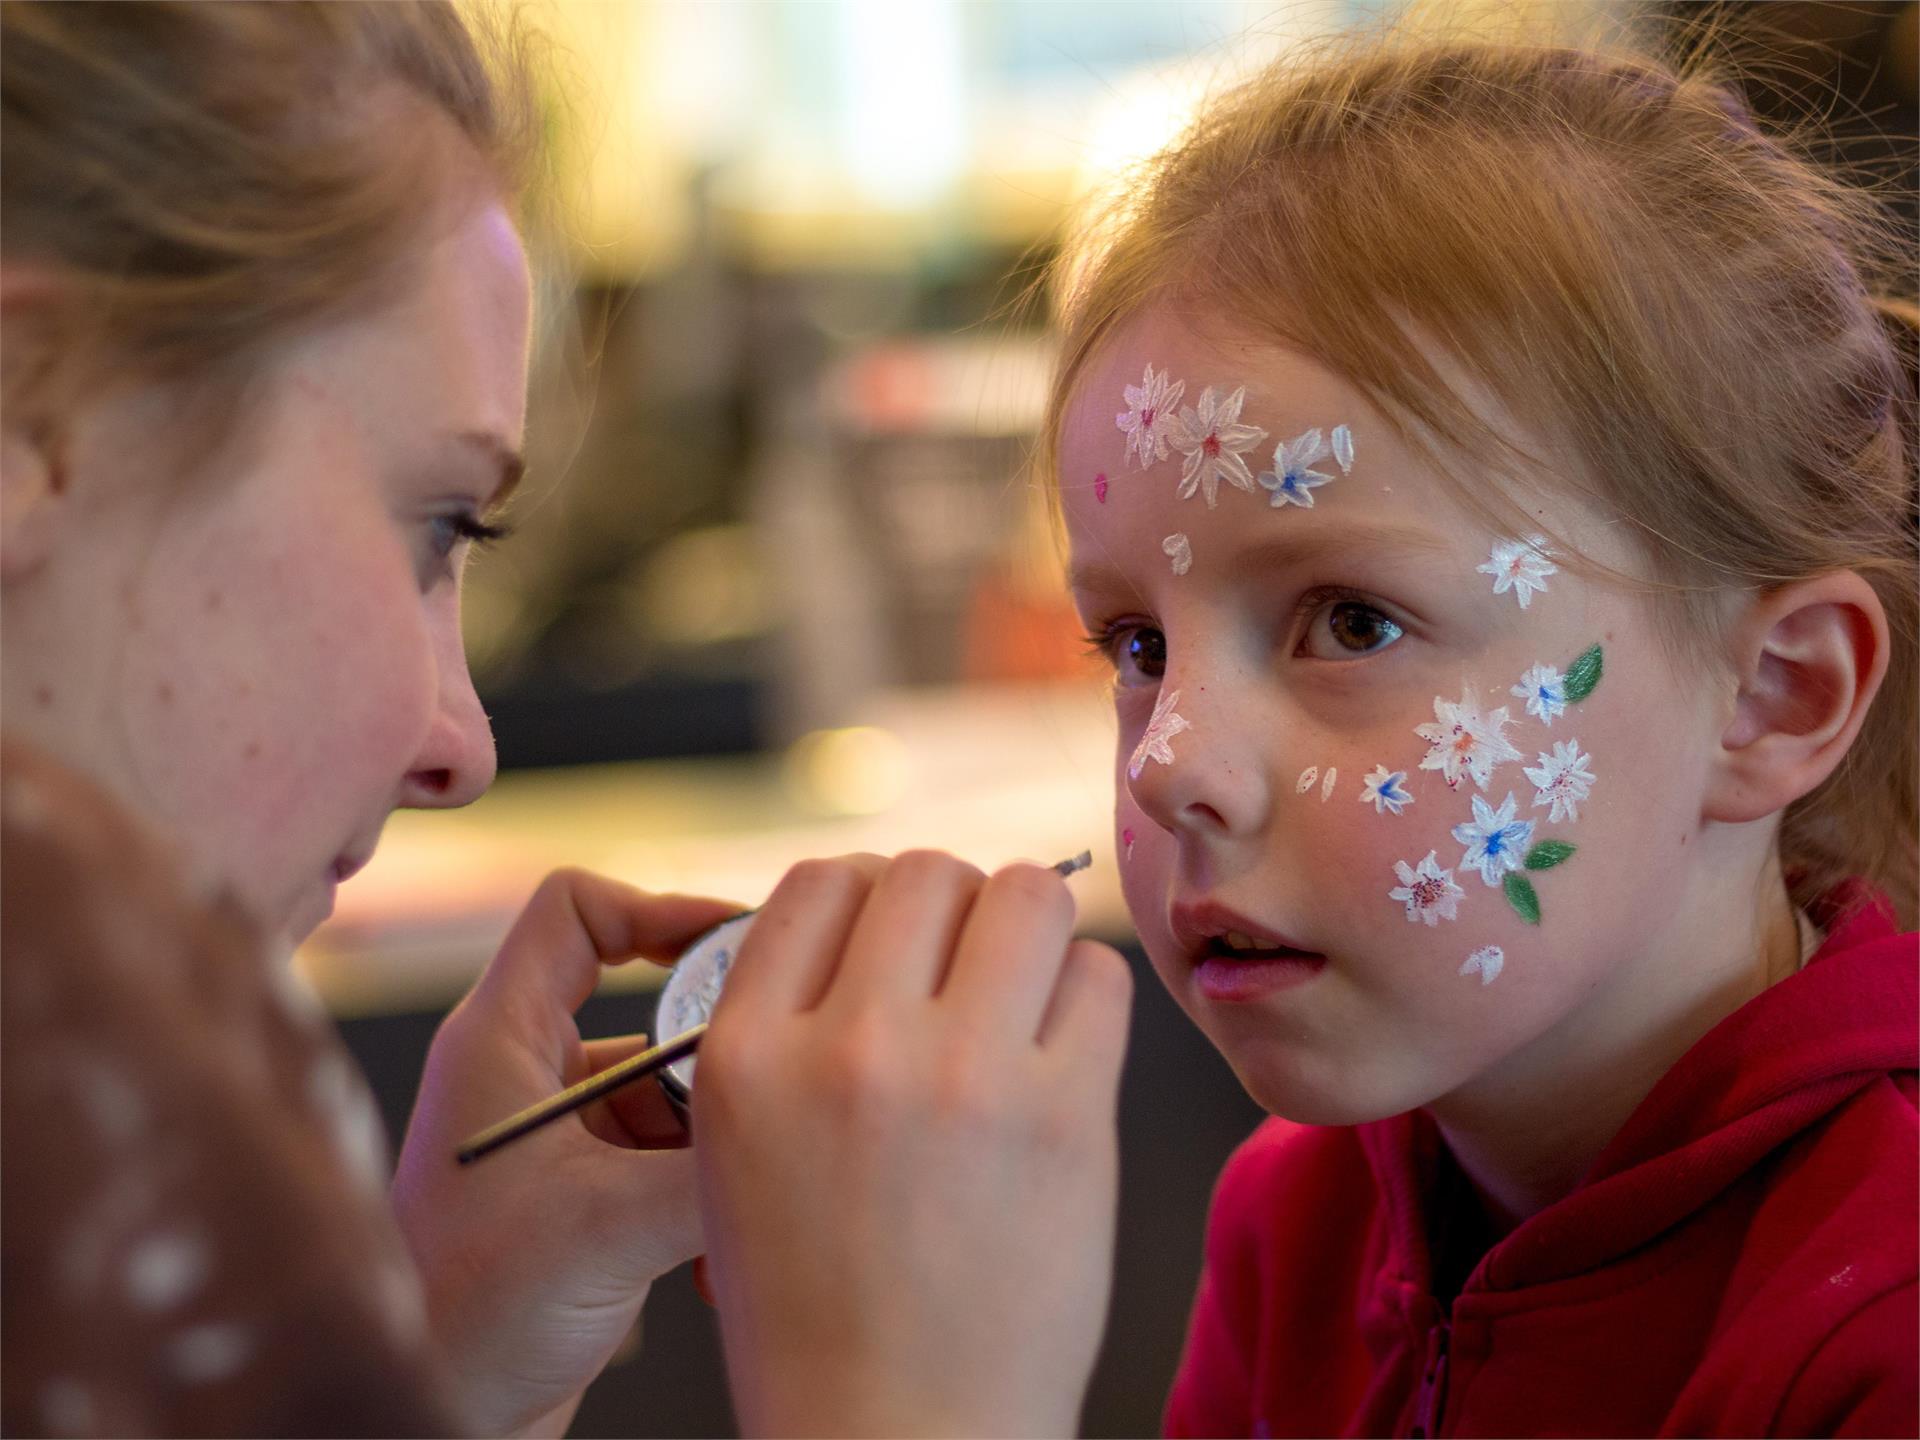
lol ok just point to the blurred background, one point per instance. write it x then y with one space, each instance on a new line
782 583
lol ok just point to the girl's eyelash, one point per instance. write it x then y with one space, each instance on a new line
1321 596
1101 639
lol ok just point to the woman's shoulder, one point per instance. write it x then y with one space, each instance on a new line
185 1245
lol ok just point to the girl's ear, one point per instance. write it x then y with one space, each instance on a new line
31 492
1809 659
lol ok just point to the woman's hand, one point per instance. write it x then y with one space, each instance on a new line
537 1259
905 1123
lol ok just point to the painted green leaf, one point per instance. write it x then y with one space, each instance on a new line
1521 895
1547 854
1583 675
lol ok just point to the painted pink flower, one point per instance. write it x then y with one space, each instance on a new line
1463 741
1150 410
1213 440
1100 488
1521 566
1428 891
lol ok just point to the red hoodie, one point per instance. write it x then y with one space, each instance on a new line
1741 1260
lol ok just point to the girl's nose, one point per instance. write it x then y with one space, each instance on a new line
1216 785
456 763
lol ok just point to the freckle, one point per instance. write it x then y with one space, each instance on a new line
164 690
43 695
251 751
215 600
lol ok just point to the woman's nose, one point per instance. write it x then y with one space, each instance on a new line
456 763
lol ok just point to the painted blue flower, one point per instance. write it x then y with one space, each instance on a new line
1545 691
1495 841
1387 789
1290 480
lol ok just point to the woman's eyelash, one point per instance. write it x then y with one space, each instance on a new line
480 532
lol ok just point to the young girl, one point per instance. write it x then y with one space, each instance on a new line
1483 469
265 350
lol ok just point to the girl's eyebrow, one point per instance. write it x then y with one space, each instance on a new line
1279 551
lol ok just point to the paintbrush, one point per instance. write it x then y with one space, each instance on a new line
634 1067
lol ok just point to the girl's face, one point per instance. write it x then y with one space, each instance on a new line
263 653
1352 676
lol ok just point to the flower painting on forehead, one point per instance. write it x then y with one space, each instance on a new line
1291 480
1521 566
1147 417
1180 550
1386 790
1428 891
1213 440
1157 742
1463 741
1562 780
1495 841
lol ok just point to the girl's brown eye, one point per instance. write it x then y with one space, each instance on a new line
1350 628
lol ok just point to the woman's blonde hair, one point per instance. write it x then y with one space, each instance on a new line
1644 279
200 178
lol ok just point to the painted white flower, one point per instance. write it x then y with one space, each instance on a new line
1562 780
1213 439
1149 412
1308 778
1180 550
1157 742
1343 448
1290 480
1387 789
1545 691
1495 841
1486 962
1521 566
1429 892
1462 740
1326 785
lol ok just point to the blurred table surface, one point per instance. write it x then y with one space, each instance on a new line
991 774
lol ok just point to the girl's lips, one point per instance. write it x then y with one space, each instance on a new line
1235 981
1201 927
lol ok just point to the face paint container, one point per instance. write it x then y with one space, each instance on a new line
687 999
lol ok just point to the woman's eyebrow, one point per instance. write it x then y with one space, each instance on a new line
1279 551
501 456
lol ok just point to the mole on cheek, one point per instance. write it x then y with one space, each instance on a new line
164 692
250 751
215 600
43 695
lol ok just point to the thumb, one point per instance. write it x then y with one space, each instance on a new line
575 924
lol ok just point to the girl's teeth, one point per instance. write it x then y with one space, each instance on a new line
1237 941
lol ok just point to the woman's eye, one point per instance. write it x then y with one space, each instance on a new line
1138 652
445 533
1348 628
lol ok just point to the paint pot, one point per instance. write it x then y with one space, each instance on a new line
687 999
